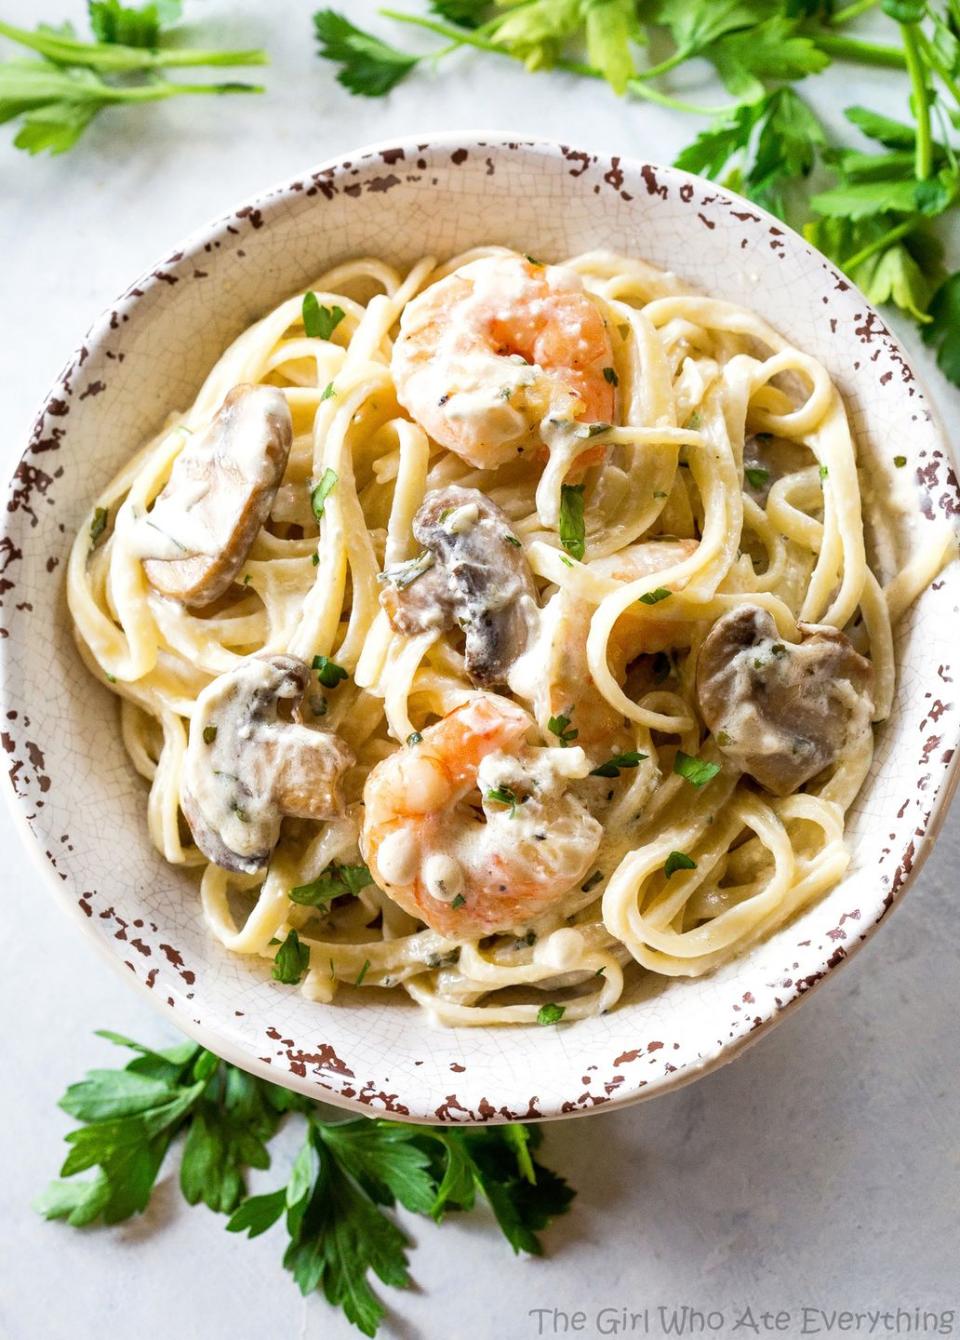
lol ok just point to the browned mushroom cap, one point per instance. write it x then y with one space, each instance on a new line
782 711
245 768
220 491
473 573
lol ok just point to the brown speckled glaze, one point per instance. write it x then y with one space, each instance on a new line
82 805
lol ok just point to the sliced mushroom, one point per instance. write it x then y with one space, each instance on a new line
245 768
199 532
472 573
782 711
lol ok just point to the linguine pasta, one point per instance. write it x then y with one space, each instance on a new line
720 493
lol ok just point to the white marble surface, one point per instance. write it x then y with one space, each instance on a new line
822 1170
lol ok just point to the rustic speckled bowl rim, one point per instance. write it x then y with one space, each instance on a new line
330 1086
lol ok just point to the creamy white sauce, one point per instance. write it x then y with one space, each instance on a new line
443 877
563 949
210 481
398 857
462 519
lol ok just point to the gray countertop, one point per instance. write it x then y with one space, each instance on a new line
821 1171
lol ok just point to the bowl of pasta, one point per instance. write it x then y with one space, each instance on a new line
478 629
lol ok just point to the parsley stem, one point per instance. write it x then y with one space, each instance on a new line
853 48
929 52
458 36
921 104
118 58
642 90
880 244
161 89
474 38
852 11
665 66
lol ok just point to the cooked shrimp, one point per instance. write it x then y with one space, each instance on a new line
466 871
560 682
485 355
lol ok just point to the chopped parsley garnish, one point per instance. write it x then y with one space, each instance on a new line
209 734
696 771
404 574
502 795
565 561
320 322
415 737
328 391
654 597
512 539
98 525
328 672
824 472
613 765
694 421
551 1014
756 476
899 461
362 973
560 727
532 259
678 860
292 961
333 882
321 491
573 531
610 375
459 901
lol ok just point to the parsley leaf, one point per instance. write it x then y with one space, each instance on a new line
368 66
132 26
468 13
335 881
560 727
98 525
654 597
694 24
678 860
551 1014
769 50
328 672
696 771
943 332
613 765
319 322
502 795
572 527
756 476
321 491
292 961
610 25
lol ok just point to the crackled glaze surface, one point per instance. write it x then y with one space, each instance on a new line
84 805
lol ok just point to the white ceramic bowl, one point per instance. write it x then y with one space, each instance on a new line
83 806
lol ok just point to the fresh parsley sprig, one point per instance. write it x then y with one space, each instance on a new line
56 96
338 1200
876 214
